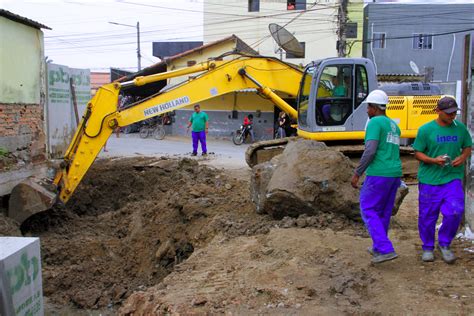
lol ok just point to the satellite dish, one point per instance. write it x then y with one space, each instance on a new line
286 40
414 67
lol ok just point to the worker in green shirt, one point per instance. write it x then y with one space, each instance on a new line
442 146
199 121
383 167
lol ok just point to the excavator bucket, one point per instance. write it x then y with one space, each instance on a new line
30 197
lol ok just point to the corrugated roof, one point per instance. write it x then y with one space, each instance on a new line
241 45
17 18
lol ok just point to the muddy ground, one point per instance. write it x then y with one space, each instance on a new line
152 235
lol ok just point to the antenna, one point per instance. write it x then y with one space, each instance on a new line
286 40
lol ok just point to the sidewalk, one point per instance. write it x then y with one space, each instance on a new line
222 153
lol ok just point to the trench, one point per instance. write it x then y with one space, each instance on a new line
130 222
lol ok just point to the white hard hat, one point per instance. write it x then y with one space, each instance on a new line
378 97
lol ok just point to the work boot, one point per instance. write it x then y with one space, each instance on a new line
379 258
427 256
204 154
372 252
447 255
194 154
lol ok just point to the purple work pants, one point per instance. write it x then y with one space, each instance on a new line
199 136
447 198
377 197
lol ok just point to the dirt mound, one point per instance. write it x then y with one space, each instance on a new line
8 227
129 223
306 272
307 178
132 220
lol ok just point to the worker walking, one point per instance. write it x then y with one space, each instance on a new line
200 126
383 167
442 146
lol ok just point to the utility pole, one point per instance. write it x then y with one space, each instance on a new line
139 56
341 33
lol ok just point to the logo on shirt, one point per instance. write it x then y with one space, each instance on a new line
446 139
392 137
166 106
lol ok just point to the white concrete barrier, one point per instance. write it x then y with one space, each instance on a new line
21 286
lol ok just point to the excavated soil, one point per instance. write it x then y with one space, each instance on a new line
132 220
147 236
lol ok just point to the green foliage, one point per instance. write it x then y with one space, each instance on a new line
3 151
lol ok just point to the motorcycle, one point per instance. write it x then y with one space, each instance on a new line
153 127
241 134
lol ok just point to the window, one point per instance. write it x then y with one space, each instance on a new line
296 4
190 63
334 98
362 84
422 41
254 5
303 96
378 40
290 55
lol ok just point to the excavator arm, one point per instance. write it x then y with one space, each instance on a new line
213 79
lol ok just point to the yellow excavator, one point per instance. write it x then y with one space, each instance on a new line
324 112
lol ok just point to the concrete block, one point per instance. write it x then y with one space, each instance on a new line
21 285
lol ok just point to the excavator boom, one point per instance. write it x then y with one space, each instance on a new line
214 78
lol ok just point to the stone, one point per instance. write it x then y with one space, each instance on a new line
307 178
310 179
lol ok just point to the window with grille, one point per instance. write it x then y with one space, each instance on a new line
254 5
296 4
422 41
378 40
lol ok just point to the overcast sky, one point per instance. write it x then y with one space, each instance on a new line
81 36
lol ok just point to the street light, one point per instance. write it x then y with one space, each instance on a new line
139 56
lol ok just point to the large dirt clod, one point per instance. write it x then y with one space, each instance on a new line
308 178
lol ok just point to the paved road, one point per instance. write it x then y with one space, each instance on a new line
222 153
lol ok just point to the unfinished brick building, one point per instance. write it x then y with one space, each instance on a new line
22 99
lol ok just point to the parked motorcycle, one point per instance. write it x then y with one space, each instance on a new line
152 127
241 134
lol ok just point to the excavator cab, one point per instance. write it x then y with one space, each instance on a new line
331 95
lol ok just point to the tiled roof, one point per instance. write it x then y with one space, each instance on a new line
17 18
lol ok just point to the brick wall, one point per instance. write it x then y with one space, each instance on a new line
21 131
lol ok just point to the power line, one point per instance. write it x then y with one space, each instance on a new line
435 34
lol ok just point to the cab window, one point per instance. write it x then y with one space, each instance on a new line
334 97
362 84
303 98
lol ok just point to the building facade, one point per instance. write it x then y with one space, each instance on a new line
225 112
314 24
417 38
22 99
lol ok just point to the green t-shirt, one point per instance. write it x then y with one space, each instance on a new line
339 91
386 162
434 140
198 121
